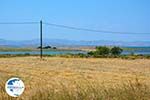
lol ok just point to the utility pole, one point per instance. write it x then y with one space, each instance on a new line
41 40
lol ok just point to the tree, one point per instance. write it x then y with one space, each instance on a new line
116 51
47 47
91 53
102 50
54 48
39 47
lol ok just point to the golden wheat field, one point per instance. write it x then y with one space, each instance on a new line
58 78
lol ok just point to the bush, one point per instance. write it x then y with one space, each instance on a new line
27 54
47 47
116 51
102 50
54 48
91 53
81 55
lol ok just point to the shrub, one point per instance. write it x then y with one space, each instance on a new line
27 54
91 53
54 48
47 47
102 50
116 51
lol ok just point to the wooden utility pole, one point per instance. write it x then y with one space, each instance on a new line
41 40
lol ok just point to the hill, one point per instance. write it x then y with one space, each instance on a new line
69 43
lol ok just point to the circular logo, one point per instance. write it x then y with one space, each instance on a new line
14 87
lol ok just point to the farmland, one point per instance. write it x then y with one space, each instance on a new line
59 78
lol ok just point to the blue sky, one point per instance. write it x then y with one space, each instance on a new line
111 15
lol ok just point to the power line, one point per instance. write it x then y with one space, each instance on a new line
90 30
73 28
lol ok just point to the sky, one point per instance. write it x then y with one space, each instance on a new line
110 15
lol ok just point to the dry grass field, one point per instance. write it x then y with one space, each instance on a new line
56 78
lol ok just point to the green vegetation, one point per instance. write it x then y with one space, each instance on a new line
116 51
100 52
9 49
80 55
136 49
103 51
47 47
54 48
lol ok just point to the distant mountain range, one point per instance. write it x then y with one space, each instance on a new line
69 43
